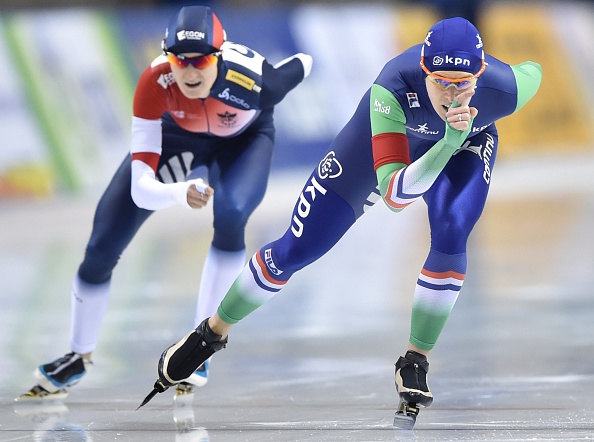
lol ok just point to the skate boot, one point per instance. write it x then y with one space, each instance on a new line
55 378
197 379
184 357
412 387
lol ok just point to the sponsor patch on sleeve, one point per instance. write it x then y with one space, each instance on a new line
241 80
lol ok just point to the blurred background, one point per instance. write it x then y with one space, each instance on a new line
70 68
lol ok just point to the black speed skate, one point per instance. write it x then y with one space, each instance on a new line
412 387
55 378
184 357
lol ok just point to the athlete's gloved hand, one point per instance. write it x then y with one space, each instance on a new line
459 119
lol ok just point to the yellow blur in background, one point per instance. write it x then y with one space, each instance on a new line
558 120
561 115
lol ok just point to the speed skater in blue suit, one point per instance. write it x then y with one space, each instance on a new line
424 129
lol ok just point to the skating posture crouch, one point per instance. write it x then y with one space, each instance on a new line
179 125
424 129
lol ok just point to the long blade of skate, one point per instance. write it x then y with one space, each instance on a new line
38 393
159 387
147 399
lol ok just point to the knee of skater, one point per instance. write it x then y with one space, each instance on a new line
231 216
229 230
96 268
294 258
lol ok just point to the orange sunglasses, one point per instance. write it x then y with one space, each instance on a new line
200 62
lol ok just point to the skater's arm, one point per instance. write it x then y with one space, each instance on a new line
389 140
280 79
150 193
402 184
528 78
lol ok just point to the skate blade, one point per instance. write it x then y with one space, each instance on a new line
38 394
406 416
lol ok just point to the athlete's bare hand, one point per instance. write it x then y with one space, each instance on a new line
199 194
459 117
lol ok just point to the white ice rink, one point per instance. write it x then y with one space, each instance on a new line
515 361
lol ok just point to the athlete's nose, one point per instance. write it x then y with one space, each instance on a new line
450 94
192 72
